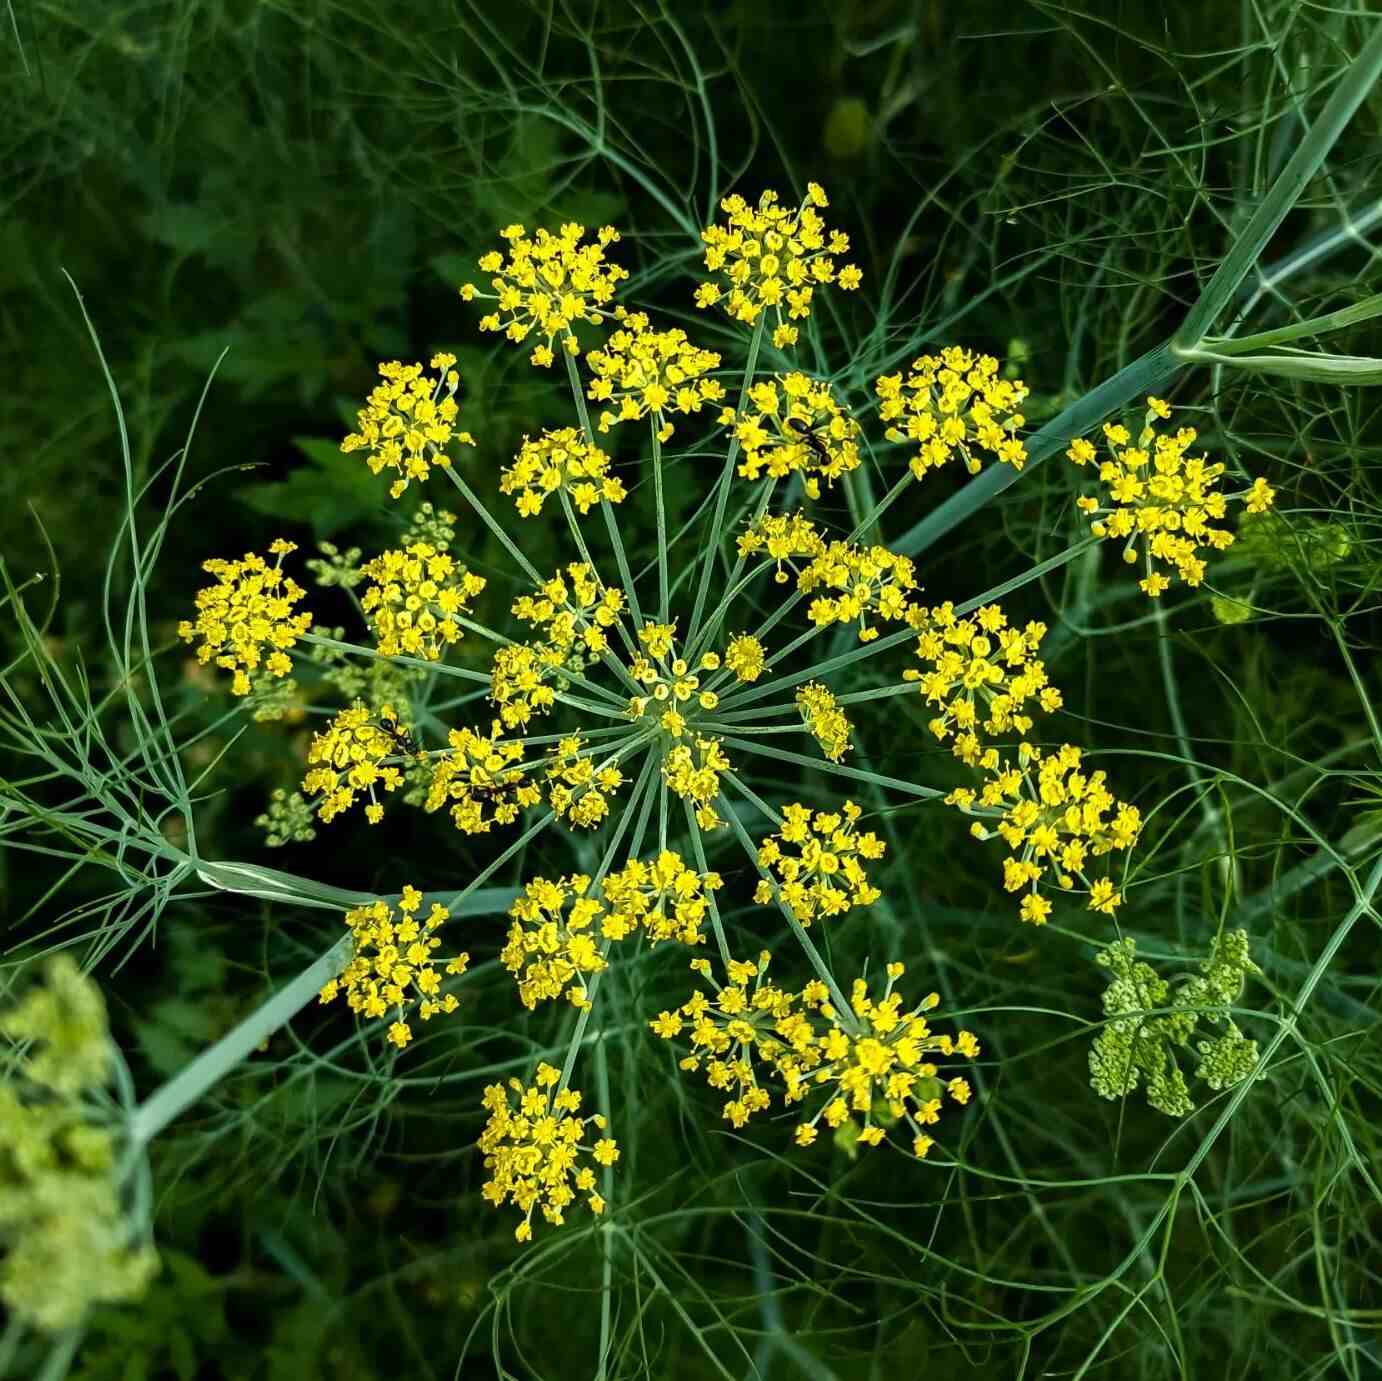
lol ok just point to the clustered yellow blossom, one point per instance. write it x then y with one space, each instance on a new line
1055 817
871 1061
561 931
552 940
348 759
580 789
560 461
245 620
984 676
546 284
415 600
532 1145
855 582
821 873
645 373
793 425
954 404
874 1065
574 610
478 779
781 537
824 719
693 771
669 682
745 658
663 898
748 1019
1162 500
391 968
408 420
772 258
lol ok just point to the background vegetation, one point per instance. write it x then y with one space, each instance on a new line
273 197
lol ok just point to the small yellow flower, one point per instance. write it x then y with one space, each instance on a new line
745 657
1160 501
553 940
246 621
793 425
478 779
348 759
645 373
825 875
415 600
544 285
579 788
662 897
560 461
533 1143
408 421
392 967
825 720
771 258
693 770
1055 818
983 675
749 1021
954 404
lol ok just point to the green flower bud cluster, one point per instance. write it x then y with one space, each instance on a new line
288 819
65 1242
1147 1019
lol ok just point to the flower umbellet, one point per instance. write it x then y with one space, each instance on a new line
1161 501
620 710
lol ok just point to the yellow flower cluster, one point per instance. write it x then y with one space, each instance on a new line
245 620
642 372
953 404
824 719
874 1062
825 875
1053 815
560 462
1161 498
858 581
745 657
772 258
415 600
408 420
532 1145
781 537
984 675
575 611
553 940
669 681
348 759
663 898
392 966
793 425
579 789
749 1017
546 284
557 927
693 770
479 780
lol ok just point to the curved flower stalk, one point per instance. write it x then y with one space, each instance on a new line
609 710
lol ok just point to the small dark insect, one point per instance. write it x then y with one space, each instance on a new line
403 738
807 432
